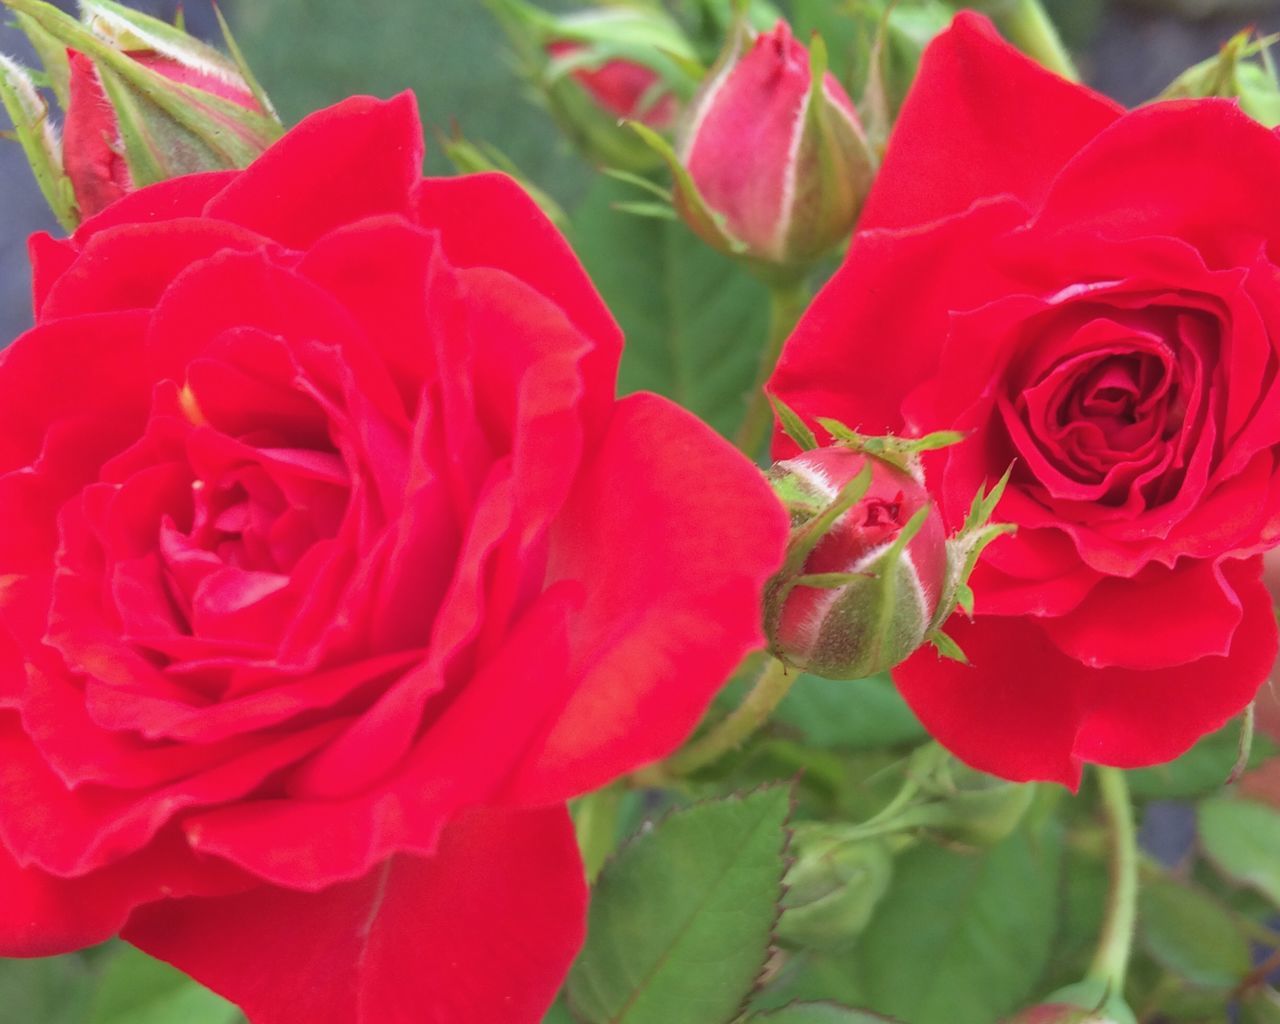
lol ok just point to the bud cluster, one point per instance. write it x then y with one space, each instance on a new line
142 101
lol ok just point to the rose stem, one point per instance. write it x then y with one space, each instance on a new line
1111 961
1031 30
786 304
766 694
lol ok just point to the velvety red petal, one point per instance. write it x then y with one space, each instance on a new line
673 536
129 267
1157 619
184 196
327 832
233 291
50 257
77 831
876 330
1012 711
488 220
1192 169
359 158
85 373
981 120
1132 718
482 931
42 915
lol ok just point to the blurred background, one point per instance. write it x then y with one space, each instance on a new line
309 53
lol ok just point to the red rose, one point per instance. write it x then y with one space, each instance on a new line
1093 297
331 568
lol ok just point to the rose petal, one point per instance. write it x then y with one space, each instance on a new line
42 915
362 156
482 931
1012 711
1141 718
488 220
1215 161
130 266
876 330
668 615
327 830
974 126
1189 612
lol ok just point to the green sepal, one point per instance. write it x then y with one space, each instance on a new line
1242 70
53 56
903 452
705 222
792 425
242 65
478 158
34 132
946 646
966 547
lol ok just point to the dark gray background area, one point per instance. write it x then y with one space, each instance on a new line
1130 50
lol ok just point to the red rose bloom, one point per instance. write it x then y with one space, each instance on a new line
330 569
1093 296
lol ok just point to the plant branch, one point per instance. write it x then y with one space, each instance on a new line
1111 960
786 304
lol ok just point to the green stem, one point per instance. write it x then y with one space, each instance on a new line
595 822
1111 961
773 683
1032 31
786 304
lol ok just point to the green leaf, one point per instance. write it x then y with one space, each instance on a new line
1242 839
1202 770
680 921
695 321
1261 1007
1190 933
962 938
818 1013
50 991
864 715
136 989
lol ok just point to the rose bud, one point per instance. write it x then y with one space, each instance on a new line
772 162
622 88
867 592
145 102
1059 1013
596 68
833 886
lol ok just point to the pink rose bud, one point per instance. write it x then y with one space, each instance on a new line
596 68
143 102
622 88
867 593
1060 1013
772 162
93 153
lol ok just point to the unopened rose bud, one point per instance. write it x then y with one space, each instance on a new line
597 68
96 155
833 886
967 805
621 88
1059 1013
144 101
866 594
772 162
